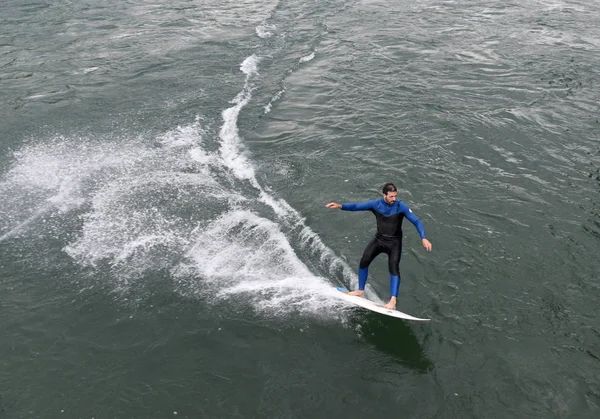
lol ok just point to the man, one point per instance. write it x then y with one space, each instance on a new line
389 213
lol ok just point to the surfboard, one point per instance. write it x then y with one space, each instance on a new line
377 308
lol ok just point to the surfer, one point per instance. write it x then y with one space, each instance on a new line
389 213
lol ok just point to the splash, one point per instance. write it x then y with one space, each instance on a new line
274 99
57 177
307 58
162 204
265 31
241 253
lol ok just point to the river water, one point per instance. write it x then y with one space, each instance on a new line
165 250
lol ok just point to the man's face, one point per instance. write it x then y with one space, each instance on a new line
390 197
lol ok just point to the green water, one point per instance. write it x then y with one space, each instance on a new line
165 250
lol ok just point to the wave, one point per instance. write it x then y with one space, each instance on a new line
165 203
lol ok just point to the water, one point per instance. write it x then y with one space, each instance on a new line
166 251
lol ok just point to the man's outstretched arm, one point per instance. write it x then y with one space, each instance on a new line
353 206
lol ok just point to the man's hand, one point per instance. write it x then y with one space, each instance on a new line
426 244
334 205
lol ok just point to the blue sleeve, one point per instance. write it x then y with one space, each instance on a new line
413 219
358 206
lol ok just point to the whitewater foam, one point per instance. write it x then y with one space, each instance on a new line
241 253
265 31
274 99
243 169
162 203
307 58
57 176
231 146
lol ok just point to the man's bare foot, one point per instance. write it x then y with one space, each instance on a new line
391 305
357 293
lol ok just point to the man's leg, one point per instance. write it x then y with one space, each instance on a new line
394 268
370 253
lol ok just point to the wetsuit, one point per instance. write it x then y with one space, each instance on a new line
388 238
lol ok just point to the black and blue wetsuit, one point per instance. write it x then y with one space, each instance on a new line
388 238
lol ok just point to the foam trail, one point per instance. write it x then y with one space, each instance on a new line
265 31
307 58
231 153
274 99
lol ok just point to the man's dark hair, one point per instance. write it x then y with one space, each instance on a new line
389 187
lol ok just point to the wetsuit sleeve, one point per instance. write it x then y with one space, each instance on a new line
414 219
358 206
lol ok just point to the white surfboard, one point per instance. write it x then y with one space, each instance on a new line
370 305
